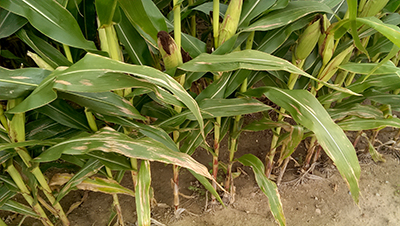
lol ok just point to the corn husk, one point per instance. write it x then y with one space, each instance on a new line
231 21
308 39
170 53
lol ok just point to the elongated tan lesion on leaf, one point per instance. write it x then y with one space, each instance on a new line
63 82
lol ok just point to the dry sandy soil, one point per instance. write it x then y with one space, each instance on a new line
321 200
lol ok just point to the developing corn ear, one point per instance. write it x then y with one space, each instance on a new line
326 41
170 53
231 21
308 39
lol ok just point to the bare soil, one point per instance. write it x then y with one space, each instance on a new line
322 199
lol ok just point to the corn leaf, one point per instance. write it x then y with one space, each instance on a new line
250 60
356 124
390 31
268 187
20 82
16 207
105 11
292 12
52 19
365 68
61 112
207 185
108 140
106 103
70 181
46 51
307 111
5 194
10 23
94 69
252 9
142 193
44 128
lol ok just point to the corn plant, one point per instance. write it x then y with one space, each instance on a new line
101 86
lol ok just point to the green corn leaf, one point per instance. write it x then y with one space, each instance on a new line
20 82
194 139
362 111
61 112
142 193
46 51
366 68
16 207
193 45
352 4
307 111
292 12
356 124
111 160
52 19
89 169
291 141
93 69
108 140
207 185
376 156
44 128
28 143
5 194
390 31
146 15
134 44
268 187
277 37
105 11
252 9
106 103
10 23
6 155
250 60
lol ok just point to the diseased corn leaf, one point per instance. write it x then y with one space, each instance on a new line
146 15
61 112
20 82
250 60
362 111
142 193
109 140
52 19
10 23
365 68
107 103
105 11
9 183
207 185
5 194
252 9
266 123
19 208
42 95
46 51
134 44
147 130
356 124
216 89
90 168
268 187
307 111
390 31
384 98
96 68
292 12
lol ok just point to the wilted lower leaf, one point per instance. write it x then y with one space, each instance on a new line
142 193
